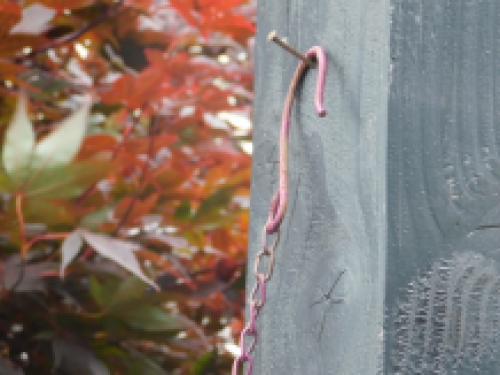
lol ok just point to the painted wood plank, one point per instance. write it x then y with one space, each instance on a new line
336 217
443 272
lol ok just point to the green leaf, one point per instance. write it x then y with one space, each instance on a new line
214 203
119 251
196 237
21 154
19 140
62 144
22 158
103 291
151 318
139 364
66 181
183 211
204 363
129 291
97 292
5 182
46 84
94 219
47 212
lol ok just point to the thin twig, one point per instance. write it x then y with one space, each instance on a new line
118 61
20 220
110 12
48 236
20 277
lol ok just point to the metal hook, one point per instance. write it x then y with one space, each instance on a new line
273 37
279 201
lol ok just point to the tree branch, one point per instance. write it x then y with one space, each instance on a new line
20 219
110 12
20 277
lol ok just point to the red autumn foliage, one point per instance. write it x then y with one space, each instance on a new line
146 188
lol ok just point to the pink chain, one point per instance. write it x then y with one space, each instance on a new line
257 297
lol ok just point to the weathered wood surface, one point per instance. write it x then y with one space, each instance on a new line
398 186
443 275
336 216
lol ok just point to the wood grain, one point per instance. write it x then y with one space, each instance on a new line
442 286
325 307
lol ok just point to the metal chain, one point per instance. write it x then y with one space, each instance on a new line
256 302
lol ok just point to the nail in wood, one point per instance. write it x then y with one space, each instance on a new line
273 37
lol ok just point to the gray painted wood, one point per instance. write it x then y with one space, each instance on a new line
336 214
443 274
398 187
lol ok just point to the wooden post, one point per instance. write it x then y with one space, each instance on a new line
443 285
336 218
396 190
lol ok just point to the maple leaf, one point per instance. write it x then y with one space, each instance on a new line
211 15
153 163
134 91
21 155
119 251
10 15
187 9
9 70
19 43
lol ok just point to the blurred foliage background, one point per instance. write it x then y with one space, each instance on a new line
125 144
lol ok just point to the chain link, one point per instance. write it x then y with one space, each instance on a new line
267 251
256 301
258 294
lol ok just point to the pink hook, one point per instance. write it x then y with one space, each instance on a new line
279 201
